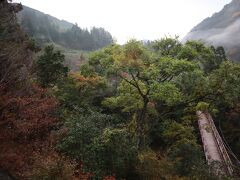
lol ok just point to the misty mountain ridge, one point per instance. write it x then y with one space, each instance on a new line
222 29
62 24
45 28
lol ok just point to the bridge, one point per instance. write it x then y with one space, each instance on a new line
215 150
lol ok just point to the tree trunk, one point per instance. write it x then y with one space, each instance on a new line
141 122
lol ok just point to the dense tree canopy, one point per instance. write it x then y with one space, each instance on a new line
128 113
158 87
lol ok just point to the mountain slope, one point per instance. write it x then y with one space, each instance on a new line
222 29
45 28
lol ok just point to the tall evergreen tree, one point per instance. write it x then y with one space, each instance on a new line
50 67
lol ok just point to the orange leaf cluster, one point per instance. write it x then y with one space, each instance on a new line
109 178
82 81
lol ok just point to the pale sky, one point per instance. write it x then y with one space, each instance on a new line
125 19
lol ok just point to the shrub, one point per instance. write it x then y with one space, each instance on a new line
151 167
103 151
52 167
202 106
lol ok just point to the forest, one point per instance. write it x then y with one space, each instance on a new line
47 29
129 112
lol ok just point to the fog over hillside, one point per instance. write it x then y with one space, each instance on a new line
48 29
222 29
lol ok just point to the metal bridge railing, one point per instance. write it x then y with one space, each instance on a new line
228 166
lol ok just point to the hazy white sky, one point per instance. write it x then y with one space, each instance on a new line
124 19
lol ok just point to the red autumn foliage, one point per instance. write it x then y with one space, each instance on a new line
25 126
28 133
56 166
109 178
28 128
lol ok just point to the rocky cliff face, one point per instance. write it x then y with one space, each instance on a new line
222 29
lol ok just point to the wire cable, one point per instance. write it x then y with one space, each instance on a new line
226 144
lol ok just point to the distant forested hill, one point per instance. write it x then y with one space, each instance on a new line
222 29
45 28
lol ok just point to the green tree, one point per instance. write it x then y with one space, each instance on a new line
50 67
208 58
77 93
186 156
167 46
145 83
224 84
113 153
102 149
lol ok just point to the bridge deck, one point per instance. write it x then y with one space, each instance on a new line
214 147
208 138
